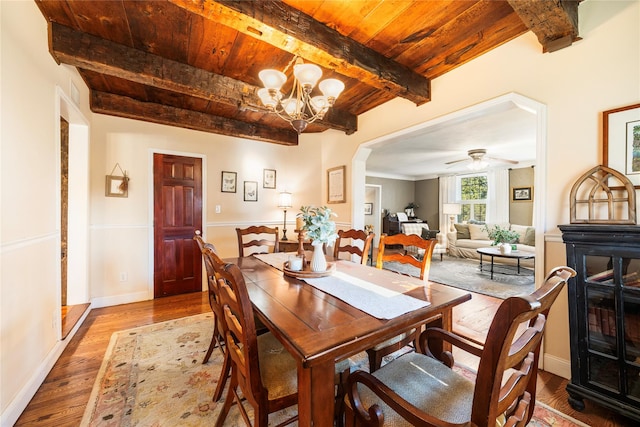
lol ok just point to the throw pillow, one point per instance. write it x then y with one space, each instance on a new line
521 230
478 232
429 234
462 231
530 236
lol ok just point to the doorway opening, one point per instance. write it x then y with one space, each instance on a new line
73 215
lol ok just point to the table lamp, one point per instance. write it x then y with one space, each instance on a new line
451 209
284 202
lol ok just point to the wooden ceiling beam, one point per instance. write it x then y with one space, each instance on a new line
93 53
555 23
286 28
122 106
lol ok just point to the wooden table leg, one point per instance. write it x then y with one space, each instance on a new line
316 395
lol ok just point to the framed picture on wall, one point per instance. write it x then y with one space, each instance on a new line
116 186
521 193
251 191
229 182
621 141
336 186
368 208
269 178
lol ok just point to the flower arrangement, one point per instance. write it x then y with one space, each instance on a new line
317 224
501 235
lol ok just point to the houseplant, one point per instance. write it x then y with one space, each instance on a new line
502 237
320 229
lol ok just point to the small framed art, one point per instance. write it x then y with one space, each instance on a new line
116 186
269 178
251 191
229 182
521 193
336 186
368 208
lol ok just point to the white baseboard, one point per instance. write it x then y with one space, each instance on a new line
557 366
15 408
120 299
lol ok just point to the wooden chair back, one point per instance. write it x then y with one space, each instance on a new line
512 350
345 243
242 344
402 256
509 346
266 237
504 389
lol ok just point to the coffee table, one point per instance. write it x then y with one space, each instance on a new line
495 252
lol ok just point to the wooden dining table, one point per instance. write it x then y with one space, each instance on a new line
319 329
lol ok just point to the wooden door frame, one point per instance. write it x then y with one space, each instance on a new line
152 152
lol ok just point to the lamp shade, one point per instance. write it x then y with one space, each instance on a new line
451 208
284 200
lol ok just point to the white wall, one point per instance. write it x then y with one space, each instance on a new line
121 228
29 177
576 84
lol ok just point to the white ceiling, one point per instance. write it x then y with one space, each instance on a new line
505 130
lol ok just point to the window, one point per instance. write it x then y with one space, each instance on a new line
472 194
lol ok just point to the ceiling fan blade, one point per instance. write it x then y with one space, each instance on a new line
513 162
456 161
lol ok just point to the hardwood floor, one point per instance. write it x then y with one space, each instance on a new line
62 398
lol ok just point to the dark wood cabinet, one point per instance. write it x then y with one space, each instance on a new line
604 316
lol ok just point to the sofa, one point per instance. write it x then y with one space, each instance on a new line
467 238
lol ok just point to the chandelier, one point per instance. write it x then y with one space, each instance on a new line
299 108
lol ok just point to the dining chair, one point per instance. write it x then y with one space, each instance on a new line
265 238
424 389
345 243
386 254
261 367
216 338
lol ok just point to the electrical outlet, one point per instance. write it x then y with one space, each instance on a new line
124 276
218 208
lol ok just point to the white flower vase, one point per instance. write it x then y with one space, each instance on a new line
318 261
505 248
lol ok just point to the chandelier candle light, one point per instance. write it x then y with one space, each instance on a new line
300 108
284 202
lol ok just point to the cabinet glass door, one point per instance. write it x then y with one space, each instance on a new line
602 345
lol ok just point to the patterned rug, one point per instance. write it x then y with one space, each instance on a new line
465 274
154 376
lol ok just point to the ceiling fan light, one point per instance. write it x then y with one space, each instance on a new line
477 164
272 79
307 74
331 88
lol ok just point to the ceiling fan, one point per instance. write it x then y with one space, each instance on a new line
478 159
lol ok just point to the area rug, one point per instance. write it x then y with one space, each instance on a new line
465 274
154 376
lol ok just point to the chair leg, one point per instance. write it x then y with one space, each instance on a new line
227 402
212 345
341 391
224 374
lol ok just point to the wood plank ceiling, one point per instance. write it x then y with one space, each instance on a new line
195 63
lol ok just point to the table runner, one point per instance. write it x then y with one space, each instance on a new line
374 300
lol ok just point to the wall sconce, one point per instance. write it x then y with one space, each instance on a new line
451 209
284 202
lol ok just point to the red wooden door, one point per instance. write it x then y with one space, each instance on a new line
177 215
